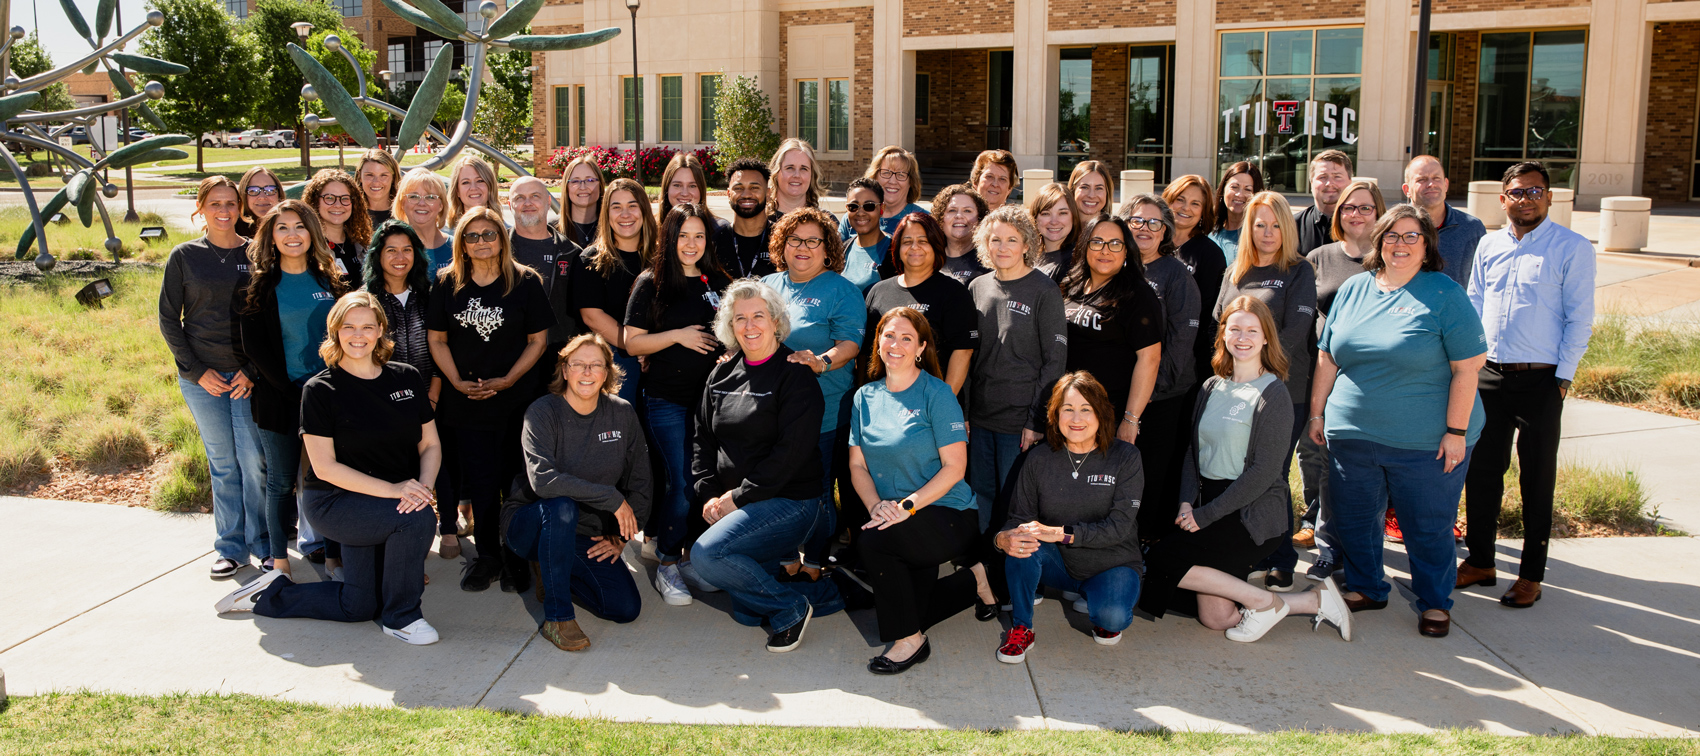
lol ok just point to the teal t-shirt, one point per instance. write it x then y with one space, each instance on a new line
824 310
862 264
1229 241
440 257
901 434
1393 351
302 306
1224 429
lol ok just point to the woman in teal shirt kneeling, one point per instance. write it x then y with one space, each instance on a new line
907 425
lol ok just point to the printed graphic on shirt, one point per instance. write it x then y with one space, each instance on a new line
1018 308
608 436
918 307
910 414
1085 317
323 296
402 395
1101 480
484 320
959 427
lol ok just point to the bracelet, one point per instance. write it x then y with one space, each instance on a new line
1457 431
1314 419
1129 417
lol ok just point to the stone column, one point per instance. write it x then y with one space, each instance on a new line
1033 137
1614 99
1195 89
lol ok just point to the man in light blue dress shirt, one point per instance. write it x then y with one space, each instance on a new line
1532 282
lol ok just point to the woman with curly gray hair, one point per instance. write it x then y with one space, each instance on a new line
1023 350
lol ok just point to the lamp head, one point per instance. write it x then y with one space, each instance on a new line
302 29
632 5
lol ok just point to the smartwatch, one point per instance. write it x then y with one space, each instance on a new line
826 358
908 504
1068 535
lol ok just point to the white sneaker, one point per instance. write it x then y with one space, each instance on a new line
419 633
693 579
1332 607
651 550
1070 596
1080 606
1254 624
671 585
242 599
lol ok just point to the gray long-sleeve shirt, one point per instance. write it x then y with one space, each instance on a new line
1174 284
1023 351
597 460
1291 296
1100 505
195 309
1260 495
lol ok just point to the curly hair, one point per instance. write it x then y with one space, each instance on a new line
833 246
1016 217
359 224
945 195
750 288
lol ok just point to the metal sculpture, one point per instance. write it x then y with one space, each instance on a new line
84 187
435 17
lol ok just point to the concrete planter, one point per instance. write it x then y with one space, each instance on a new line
1623 223
1034 179
1137 182
1563 201
1484 203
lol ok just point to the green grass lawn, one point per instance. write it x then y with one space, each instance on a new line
1629 362
71 241
112 724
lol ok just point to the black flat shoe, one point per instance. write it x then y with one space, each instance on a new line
881 665
478 573
317 556
984 612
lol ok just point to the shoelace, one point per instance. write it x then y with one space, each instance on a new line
1245 616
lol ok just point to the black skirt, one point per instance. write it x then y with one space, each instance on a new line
1224 545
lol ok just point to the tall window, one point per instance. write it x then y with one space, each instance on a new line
1286 95
579 122
398 62
1074 108
1150 120
672 108
432 48
348 8
633 110
838 114
236 8
709 93
923 97
808 112
1529 102
563 116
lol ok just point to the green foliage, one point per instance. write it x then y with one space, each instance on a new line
344 73
276 90
449 110
507 67
30 58
504 108
744 121
1630 361
1587 500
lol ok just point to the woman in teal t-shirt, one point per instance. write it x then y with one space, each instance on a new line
1395 401
906 425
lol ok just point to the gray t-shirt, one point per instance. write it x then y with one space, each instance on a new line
195 308
597 460
1291 296
1023 351
1224 429
1333 266
1175 285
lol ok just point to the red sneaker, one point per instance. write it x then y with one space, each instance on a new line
1392 532
1015 645
1457 534
1104 637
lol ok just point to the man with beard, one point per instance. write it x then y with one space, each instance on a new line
1330 172
536 245
742 246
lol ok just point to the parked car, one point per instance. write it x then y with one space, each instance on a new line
79 135
218 138
282 138
249 138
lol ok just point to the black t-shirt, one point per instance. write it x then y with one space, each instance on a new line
374 425
1103 338
965 268
539 255
1205 259
592 289
586 232
378 217
487 330
677 374
946 303
744 256
351 256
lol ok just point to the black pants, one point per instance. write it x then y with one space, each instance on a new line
448 483
903 566
1527 402
1162 440
383 563
488 463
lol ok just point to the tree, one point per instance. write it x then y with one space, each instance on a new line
277 89
222 61
744 121
29 59
501 119
507 68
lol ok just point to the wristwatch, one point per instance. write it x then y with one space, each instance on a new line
1457 431
1564 384
1068 535
826 358
908 505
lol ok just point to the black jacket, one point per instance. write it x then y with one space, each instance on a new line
276 401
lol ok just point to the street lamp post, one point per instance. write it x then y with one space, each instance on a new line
1419 123
637 98
385 75
303 30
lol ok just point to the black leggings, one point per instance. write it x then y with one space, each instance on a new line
488 462
903 566
1164 433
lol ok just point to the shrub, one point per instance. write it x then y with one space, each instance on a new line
744 120
107 442
1585 497
186 485
1681 388
20 457
1611 383
618 163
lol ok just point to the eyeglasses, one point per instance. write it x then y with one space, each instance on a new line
587 367
336 199
798 241
423 197
1357 209
473 237
1533 194
913 243
1151 224
1099 245
889 175
262 191
581 183
866 207
1408 239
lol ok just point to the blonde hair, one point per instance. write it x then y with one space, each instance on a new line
616 374
376 155
1287 256
483 171
750 288
330 350
421 178
817 184
1016 217
459 270
1274 357
908 158
568 227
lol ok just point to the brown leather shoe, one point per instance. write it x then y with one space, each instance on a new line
1434 628
1363 604
1471 575
1523 594
1305 538
566 635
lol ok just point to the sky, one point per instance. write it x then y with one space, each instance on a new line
57 36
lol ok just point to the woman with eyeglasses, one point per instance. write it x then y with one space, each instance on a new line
581 200
827 318
1396 405
422 202
261 191
1093 187
1058 220
341 207
1240 182
867 257
377 173
1162 435
796 181
899 176
1115 320
1269 268
489 323
670 322
958 209
472 184
605 272
922 286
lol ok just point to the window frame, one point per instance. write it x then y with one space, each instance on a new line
631 109
563 116
708 105
678 119
1573 164
814 118
1134 160
1262 78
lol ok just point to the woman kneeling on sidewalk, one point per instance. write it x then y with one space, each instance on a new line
586 487
372 454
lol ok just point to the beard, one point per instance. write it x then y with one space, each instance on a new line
757 209
531 219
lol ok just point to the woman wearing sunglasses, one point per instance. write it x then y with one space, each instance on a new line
261 191
866 258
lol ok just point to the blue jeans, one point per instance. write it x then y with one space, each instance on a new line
383 563
546 532
990 455
1110 595
819 542
283 462
1365 478
671 426
238 469
741 555
634 371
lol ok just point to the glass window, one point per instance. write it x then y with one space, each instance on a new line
1339 51
633 109
923 93
709 94
838 114
580 120
1529 102
808 111
348 8
1440 56
1242 54
398 62
1149 118
1289 53
1278 110
236 8
563 113
432 48
1074 108
672 108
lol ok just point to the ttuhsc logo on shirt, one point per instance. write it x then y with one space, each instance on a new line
918 307
1100 480
1273 283
1018 308
402 395
608 437
323 296
909 414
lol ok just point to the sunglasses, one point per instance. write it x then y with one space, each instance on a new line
866 207
474 237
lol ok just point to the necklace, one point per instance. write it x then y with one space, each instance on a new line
227 251
1076 474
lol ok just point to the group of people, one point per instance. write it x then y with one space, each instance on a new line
947 409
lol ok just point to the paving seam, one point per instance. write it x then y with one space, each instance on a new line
505 668
133 589
1690 424
1043 717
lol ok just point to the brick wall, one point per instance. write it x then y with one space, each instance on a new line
956 102
1466 6
1669 150
1466 57
1110 14
927 18
1109 104
543 103
1244 11
837 172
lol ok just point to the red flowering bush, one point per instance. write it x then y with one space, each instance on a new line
619 163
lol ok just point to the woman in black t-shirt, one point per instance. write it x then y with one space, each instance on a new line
489 323
1115 320
918 245
670 322
602 282
372 450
